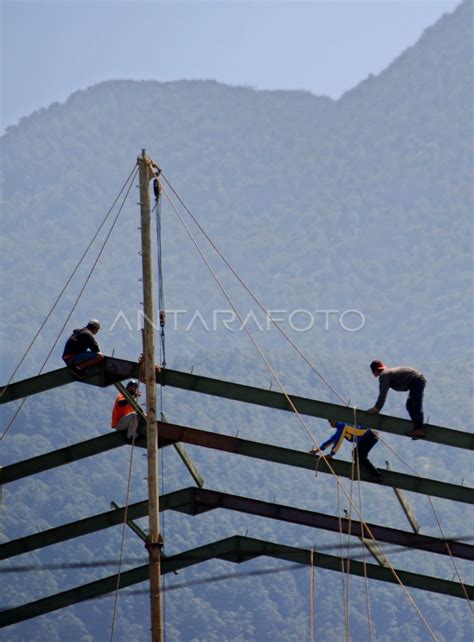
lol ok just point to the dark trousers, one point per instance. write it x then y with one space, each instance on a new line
361 451
415 403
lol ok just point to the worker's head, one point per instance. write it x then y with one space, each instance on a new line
132 385
377 367
93 325
332 422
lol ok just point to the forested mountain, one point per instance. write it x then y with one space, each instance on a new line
362 204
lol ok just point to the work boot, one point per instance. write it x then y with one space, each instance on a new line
77 372
417 433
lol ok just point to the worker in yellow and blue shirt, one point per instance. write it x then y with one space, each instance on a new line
365 440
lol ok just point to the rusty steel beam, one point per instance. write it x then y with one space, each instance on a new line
193 501
170 433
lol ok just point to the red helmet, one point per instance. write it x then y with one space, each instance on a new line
377 365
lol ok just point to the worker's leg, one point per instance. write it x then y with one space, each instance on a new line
84 360
415 409
129 423
132 428
91 362
415 403
364 446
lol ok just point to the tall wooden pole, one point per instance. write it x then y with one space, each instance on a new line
154 541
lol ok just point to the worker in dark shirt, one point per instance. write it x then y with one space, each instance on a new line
364 438
82 350
406 380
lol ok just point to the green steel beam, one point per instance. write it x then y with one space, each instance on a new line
376 552
185 458
114 370
136 528
71 530
246 548
170 433
312 407
236 549
205 499
62 456
111 371
187 461
84 449
373 548
193 501
170 501
130 523
46 381
190 465
75 595
405 504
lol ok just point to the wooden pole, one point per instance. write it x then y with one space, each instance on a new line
154 542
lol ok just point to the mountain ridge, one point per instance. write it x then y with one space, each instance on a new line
363 203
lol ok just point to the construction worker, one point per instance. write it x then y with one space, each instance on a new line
124 415
402 379
365 440
82 350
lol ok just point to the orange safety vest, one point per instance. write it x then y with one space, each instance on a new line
120 411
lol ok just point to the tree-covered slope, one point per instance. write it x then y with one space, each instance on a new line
361 203
364 204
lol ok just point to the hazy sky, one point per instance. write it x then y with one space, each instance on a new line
51 49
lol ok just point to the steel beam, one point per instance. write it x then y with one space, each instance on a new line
110 371
407 509
170 433
375 551
312 407
114 370
235 549
371 546
62 456
139 532
205 499
185 458
190 465
193 501
40 383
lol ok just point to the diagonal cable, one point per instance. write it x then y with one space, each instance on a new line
10 423
252 295
58 298
301 354
291 404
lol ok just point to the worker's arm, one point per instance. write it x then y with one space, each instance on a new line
384 385
335 439
91 343
94 346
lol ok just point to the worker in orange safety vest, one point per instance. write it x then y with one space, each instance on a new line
124 415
